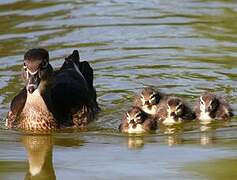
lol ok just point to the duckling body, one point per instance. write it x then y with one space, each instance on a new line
47 96
210 107
174 111
149 100
137 121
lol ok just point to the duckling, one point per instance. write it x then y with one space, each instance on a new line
149 100
137 121
36 106
210 107
174 111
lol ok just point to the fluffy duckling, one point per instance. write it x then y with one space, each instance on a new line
174 111
210 107
137 121
149 100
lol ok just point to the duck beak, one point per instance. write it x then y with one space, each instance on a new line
33 82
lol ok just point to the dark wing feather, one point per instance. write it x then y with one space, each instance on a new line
69 92
88 74
16 107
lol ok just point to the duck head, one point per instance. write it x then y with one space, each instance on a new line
36 69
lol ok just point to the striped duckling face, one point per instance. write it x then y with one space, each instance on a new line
135 118
208 105
175 109
149 98
36 68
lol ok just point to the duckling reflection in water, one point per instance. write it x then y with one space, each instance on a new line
136 142
39 151
174 111
137 121
210 107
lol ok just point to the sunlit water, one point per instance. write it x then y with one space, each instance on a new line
181 47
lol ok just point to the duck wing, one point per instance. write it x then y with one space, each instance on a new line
16 107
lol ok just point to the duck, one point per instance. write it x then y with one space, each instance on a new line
52 99
137 121
149 100
210 107
174 111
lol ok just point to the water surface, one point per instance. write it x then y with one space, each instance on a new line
182 48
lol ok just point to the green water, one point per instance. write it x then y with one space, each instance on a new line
181 47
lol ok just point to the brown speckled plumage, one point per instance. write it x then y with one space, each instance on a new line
135 117
174 109
209 106
149 100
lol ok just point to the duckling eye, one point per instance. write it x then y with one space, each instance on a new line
153 96
138 115
179 107
127 115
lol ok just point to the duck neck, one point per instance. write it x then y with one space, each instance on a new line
41 97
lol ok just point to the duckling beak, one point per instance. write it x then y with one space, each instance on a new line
173 114
33 82
146 103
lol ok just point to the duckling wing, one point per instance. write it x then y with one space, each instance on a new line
123 127
16 107
188 114
137 101
150 124
224 111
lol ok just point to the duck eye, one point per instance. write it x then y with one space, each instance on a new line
24 66
44 64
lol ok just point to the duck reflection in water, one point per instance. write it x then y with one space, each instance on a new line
39 152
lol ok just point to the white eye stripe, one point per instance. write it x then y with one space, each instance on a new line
30 72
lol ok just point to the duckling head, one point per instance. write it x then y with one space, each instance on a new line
149 97
36 69
135 119
208 103
175 108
